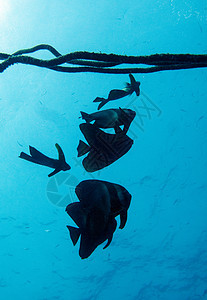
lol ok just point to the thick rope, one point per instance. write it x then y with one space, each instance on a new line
103 63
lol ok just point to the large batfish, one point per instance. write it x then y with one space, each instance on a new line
103 148
100 202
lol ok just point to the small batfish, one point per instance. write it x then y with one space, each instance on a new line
38 158
111 118
103 148
133 86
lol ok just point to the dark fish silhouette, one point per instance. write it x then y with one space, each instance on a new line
87 223
131 87
103 148
111 118
38 158
114 197
100 202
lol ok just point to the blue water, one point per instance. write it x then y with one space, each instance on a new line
161 253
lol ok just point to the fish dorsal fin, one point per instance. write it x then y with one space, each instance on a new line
83 148
60 152
86 117
123 113
74 234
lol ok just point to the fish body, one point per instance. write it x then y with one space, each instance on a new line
103 148
133 86
113 196
110 118
100 202
39 158
91 228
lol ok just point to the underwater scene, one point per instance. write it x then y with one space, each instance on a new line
103 130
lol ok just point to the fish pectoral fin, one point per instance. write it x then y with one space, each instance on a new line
54 172
74 234
123 219
83 148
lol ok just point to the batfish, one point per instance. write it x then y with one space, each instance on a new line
87 222
38 158
103 148
113 198
133 86
100 202
111 118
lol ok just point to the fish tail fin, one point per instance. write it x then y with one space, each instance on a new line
74 234
26 157
99 99
102 103
102 100
86 117
83 148
33 151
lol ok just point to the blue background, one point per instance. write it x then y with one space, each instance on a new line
161 253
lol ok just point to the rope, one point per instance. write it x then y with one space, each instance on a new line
103 63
